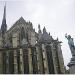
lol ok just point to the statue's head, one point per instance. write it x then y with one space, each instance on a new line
69 36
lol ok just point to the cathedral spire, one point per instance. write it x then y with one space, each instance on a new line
4 16
4 25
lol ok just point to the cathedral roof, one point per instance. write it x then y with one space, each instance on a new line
19 21
45 37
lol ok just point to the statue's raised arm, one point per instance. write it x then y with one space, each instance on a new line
66 35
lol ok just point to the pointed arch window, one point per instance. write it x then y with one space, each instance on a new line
22 33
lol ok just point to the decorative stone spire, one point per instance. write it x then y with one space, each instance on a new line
57 38
49 33
44 30
4 25
39 29
39 32
45 38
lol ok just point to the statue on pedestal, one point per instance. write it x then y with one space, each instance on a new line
71 44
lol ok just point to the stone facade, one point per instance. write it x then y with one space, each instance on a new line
25 51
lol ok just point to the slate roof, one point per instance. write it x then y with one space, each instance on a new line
45 37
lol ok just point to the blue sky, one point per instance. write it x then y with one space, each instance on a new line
58 16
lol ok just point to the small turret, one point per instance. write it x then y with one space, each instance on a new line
39 32
39 29
44 30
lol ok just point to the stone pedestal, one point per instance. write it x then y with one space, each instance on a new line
72 65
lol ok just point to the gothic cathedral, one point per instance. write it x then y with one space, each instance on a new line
24 51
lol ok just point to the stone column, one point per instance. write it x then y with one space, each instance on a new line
60 57
54 58
38 63
14 40
7 62
1 42
39 60
1 59
21 62
15 63
45 61
30 61
1 63
57 58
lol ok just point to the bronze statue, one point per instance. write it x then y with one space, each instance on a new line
71 44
